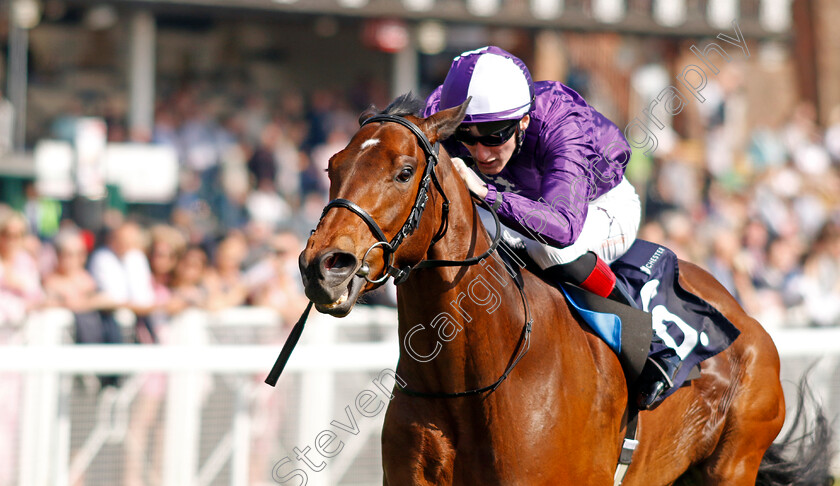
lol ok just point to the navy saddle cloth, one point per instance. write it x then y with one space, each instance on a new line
686 324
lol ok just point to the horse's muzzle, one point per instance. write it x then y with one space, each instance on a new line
330 281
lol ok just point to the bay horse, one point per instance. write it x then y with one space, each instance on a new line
559 418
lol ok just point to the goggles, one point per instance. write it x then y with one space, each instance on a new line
490 134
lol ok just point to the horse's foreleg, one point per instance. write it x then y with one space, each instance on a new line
415 455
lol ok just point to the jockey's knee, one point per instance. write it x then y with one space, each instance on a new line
578 270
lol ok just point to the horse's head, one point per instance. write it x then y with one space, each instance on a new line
374 186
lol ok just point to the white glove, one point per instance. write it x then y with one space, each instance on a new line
471 180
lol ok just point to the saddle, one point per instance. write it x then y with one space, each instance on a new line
683 322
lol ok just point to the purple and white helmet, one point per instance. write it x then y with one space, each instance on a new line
498 82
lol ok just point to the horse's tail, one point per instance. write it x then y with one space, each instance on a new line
803 459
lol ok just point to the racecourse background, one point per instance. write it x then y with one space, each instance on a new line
746 184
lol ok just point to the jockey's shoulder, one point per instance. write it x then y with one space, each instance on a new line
555 101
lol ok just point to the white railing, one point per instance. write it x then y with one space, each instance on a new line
315 381
47 366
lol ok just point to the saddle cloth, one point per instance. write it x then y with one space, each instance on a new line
686 324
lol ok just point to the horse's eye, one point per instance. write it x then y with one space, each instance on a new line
405 174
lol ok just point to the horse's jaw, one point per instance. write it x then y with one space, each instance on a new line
338 300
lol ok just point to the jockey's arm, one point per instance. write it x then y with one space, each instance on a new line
558 225
557 216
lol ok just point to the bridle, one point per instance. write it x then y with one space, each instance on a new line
400 275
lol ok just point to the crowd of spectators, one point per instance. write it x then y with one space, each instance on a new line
763 217
243 157
154 272
252 183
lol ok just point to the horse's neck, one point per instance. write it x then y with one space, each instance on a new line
458 325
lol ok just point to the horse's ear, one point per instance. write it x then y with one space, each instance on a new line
369 112
443 124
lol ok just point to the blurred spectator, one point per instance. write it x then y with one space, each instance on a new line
121 269
679 177
321 103
801 127
778 286
255 118
265 205
20 281
287 155
43 214
722 262
188 282
72 287
811 157
166 247
198 138
652 230
19 292
262 166
192 213
275 281
122 273
679 233
258 236
115 115
723 114
224 280
165 131
754 243
821 278
234 182
767 148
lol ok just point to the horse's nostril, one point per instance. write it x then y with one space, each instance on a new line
338 263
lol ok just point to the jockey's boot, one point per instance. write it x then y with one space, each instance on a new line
657 376
592 273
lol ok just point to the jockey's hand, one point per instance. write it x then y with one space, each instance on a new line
471 180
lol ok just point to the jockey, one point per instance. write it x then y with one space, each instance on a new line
552 168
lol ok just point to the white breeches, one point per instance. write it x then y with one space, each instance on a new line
610 228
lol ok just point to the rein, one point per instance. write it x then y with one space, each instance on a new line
400 275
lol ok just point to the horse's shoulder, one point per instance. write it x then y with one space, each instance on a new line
549 304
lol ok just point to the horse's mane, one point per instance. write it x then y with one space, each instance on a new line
405 104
